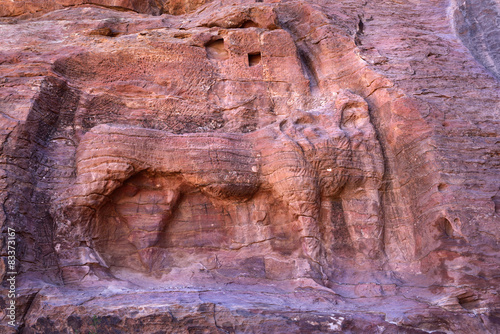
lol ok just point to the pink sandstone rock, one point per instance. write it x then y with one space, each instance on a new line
250 166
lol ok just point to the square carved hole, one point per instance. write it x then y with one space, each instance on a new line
254 59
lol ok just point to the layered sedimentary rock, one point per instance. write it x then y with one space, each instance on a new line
241 166
153 7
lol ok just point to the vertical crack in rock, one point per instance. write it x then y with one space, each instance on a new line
309 70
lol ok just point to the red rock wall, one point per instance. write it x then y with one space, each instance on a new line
153 7
245 166
476 23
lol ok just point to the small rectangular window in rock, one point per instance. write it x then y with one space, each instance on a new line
254 59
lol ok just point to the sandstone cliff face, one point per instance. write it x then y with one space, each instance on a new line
241 166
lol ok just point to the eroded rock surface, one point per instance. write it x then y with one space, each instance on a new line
478 25
153 7
241 166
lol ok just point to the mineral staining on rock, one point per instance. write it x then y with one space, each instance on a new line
274 166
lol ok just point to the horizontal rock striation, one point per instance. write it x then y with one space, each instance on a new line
476 23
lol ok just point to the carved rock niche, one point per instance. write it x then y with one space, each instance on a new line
159 227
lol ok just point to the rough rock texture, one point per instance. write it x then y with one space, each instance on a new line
477 23
241 166
153 7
